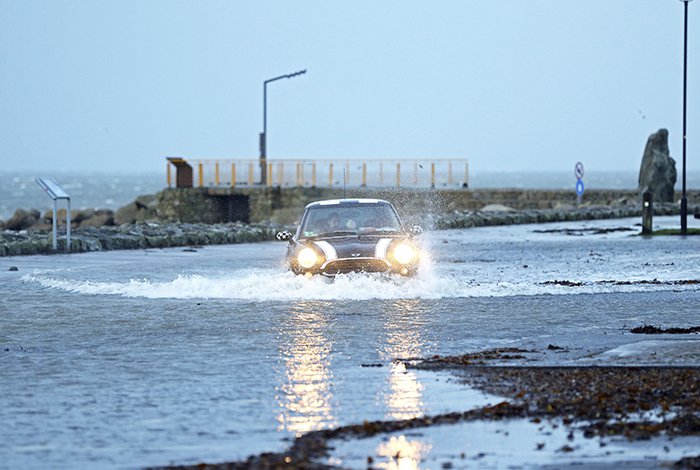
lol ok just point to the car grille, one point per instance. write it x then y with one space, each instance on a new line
348 265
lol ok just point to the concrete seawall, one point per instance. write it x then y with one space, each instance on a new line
258 205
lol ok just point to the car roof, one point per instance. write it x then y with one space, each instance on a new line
341 202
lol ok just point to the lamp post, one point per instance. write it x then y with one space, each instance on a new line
263 135
684 199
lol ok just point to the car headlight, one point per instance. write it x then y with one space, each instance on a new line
307 258
405 253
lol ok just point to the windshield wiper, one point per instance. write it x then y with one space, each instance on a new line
336 233
371 230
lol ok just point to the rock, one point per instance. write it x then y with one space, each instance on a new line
77 217
98 218
142 209
126 214
146 201
22 219
496 208
564 206
658 170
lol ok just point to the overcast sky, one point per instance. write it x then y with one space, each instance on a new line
510 85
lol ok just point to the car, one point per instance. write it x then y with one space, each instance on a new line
341 236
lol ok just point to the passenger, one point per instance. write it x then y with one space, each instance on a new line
351 220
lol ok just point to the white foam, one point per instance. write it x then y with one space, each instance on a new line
279 285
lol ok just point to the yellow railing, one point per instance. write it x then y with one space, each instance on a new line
328 173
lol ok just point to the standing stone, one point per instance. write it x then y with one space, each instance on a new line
658 171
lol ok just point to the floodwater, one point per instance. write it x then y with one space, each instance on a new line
135 358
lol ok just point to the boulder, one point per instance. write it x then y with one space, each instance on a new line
658 171
126 214
142 209
22 219
98 218
146 201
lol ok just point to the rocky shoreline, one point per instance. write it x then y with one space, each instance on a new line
601 401
37 238
506 216
133 236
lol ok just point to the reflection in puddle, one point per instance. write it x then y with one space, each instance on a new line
401 454
512 443
403 339
305 397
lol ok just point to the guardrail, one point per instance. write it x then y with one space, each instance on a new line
321 173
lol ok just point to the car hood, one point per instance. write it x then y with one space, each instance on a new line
354 247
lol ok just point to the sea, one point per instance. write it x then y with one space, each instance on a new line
102 190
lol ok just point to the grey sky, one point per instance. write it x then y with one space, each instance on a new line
510 85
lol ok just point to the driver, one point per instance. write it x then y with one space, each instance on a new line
333 221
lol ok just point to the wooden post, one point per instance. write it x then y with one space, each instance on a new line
216 173
330 175
168 166
251 174
432 175
269 174
364 174
200 179
398 175
233 174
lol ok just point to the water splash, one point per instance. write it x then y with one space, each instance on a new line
275 285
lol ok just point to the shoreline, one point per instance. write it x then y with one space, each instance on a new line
145 235
614 405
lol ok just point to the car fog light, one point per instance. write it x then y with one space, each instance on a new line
307 258
404 253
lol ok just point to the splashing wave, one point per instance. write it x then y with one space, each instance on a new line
268 285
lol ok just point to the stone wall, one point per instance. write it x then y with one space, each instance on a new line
284 206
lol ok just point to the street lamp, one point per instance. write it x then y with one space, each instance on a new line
684 199
263 135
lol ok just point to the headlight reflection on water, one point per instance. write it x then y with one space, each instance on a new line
305 396
402 454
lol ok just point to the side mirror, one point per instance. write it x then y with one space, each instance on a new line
284 236
416 230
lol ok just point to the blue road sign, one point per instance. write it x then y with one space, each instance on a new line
579 188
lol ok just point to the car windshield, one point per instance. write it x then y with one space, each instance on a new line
348 219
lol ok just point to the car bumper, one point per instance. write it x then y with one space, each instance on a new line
358 265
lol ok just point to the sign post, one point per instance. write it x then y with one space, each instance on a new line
51 187
578 172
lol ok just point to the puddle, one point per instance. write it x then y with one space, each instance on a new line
668 351
518 443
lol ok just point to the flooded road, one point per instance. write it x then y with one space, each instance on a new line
136 358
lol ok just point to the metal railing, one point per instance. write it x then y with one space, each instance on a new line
375 173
